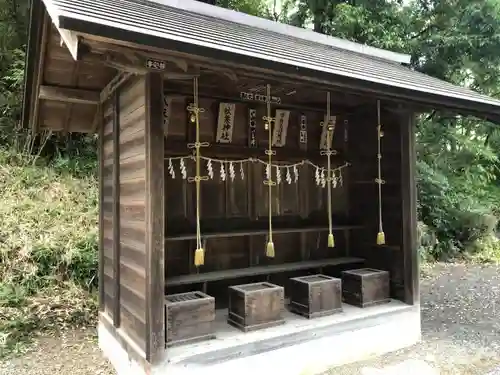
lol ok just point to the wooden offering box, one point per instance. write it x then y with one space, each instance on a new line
365 287
256 306
189 317
316 295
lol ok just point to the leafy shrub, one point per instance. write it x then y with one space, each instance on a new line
457 212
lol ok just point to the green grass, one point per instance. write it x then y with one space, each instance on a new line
48 246
486 250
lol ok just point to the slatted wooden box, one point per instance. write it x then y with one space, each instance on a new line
256 306
189 318
365 287
315 295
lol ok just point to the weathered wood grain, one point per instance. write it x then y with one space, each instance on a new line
189 317
155 219
256 306
106 214
365 287
132 210
315 295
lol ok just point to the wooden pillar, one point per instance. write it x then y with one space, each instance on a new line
101 216
116 208
155 219
409 209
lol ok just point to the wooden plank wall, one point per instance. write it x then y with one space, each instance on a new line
236 203
155 220
108 291
363 192
132 209
132 217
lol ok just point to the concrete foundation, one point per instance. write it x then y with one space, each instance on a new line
299 347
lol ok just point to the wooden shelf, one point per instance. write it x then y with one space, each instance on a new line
254 232
258 270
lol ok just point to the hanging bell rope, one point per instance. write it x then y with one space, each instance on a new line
330 128
379 180
268 121
195 110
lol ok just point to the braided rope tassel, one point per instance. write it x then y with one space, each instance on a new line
379 181
195 110
268 120
329 133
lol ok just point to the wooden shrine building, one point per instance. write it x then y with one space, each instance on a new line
257 182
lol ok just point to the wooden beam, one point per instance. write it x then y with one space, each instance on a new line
155 220
113 85
97 121
68 95
259 270
116 209
135 60
101 219
409 209
214 92
39 74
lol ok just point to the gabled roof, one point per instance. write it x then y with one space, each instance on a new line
208 31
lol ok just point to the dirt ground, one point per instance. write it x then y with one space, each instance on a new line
460 325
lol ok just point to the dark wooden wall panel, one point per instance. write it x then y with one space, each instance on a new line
132 210
241 202
363 192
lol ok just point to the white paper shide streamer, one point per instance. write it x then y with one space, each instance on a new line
229 170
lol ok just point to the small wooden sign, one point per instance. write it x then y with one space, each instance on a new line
154 64
167 110
252 128
225 122
259 98
303 130
280 128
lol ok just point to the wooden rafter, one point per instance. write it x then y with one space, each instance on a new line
68 95
115 82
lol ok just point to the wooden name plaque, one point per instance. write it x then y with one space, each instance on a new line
256 306
365 287
189 318
316 295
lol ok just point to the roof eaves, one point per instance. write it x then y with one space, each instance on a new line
455 101
297 32
65 20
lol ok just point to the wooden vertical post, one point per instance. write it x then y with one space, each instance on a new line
155 219
116 207
345 172
101 212
409 209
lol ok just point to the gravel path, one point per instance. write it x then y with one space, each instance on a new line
460 324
